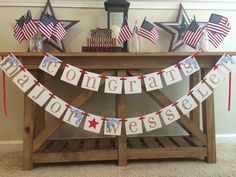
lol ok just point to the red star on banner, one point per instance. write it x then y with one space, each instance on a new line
59 45
93 123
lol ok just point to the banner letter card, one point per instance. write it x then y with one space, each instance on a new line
10 65
133 126
133 85
189 66
172 75
91 81
112 126
113 85
73 116
153 81
152 122
50 64
93 123
71 75
56 107
169 114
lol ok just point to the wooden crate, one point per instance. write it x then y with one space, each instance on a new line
38 148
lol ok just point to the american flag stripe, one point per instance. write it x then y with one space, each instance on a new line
19 36
152 36
59 31
192 38
125 32
215 39
224 30
46 30
30 29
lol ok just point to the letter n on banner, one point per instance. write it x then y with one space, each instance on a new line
91 81
50 64
133 126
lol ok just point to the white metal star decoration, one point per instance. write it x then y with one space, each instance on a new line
176 29
59 45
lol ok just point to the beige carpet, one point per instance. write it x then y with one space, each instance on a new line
10 166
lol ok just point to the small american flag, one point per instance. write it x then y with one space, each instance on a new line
29 28
193 34
125 32
218 28
58 31
18 30
45 26
149 31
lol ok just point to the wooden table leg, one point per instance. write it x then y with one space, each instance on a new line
122 140
209 127
28 134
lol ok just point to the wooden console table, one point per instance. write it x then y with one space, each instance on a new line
38 148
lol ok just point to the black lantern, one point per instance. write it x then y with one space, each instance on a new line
117 6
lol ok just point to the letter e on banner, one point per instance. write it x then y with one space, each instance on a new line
169 114
71 75
133 126
24 80
186 104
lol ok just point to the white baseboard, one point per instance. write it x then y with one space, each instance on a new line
11 146
14 146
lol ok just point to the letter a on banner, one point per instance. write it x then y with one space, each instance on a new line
50 64
73 116
10 65
93 123
56 107
71 75
153 81
112 127
91 81
24 80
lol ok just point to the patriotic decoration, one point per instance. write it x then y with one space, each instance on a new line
18 30
113 126
193 34
125 32
58 31
30 28
45 26
218 28
149 31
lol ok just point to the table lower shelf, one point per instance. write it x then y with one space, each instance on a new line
75 150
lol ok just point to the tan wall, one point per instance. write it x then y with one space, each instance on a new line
11 128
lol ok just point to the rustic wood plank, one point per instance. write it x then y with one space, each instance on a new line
151 142
154 153
136 143
105 143
121 113
28 134
166 142
73 145
163 101
89 144
55 124
181 141
89 155
56 146
39 112
193 141
195 114
209 128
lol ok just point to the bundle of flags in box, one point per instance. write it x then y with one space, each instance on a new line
26 28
